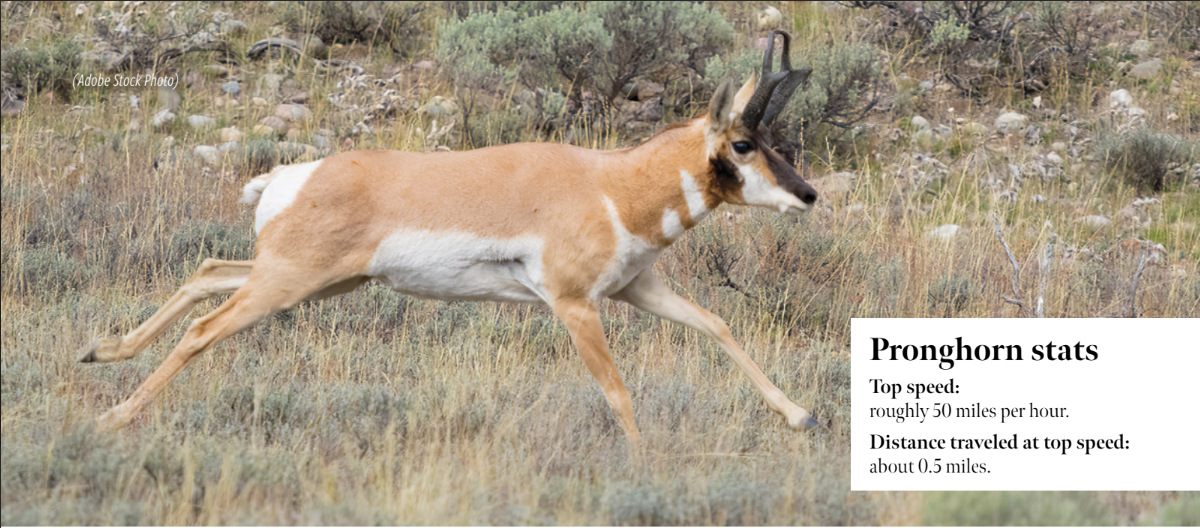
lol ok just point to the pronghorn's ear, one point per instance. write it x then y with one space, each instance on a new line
744 94
720 109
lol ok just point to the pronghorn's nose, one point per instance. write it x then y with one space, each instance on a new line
807 194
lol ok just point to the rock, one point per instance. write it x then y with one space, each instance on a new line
162 118
437 107
642 90
838 182
293 133
268 85
209 155
215 71
232 88
975 128
424 66
943 232
292 112
648 111
168 142
1009 122
229 134
202 37
135 125
298 98
233 28
769 18
1054 159
322 143
201 122
10 105
228 146
1120 99
920 122
1037 198
315 47
1037 102
1058 146
290 151
1141 48
275 123
1147 69
1095 220
926 85
258 101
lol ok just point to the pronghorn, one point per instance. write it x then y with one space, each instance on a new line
529 222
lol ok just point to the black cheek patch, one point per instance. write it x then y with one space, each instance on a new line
724 176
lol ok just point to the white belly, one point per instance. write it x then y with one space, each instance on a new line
461 266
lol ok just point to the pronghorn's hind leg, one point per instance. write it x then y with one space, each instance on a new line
262 294
214 277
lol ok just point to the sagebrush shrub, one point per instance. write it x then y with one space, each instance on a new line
841 91
1146 159
1014 508
950 294
600 47
985 45
394 24
46 66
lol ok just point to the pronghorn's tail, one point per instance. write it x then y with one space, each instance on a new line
253 190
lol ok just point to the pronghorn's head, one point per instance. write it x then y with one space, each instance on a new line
746 170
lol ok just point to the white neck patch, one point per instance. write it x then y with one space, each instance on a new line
694 196
672 226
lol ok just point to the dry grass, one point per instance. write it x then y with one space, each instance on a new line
375 408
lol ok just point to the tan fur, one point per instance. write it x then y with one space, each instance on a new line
323 242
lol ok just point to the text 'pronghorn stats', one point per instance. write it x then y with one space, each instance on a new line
1022 404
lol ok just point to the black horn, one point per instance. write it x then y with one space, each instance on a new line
774 88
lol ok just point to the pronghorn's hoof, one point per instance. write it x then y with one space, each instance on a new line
803 422
116 418
101 351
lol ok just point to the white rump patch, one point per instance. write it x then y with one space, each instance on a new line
632 255
461 266
281 188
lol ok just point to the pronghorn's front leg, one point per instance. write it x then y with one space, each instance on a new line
648 293
215 277
583 322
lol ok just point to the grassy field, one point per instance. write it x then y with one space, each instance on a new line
376 408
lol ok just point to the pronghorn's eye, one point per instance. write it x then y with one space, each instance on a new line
742 147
